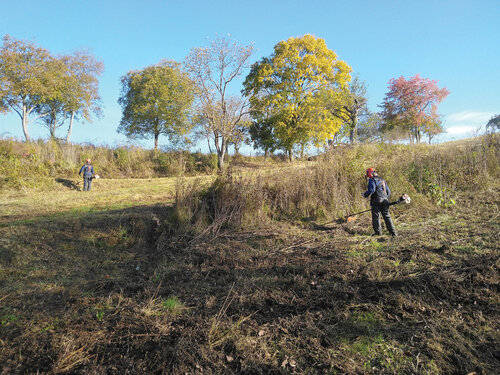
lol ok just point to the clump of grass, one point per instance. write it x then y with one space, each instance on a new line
172 304
9 318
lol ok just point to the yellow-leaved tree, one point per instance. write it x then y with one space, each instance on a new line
286 92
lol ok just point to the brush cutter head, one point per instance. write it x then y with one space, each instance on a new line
406 198
96 176
351 218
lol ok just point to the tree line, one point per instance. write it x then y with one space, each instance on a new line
51 89
300 96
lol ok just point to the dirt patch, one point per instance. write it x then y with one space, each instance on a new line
100 293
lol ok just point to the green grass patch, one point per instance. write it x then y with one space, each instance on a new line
172 304
9 318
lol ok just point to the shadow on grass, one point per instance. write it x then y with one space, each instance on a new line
68 183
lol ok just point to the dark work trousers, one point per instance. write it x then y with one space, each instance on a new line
384 210
87 182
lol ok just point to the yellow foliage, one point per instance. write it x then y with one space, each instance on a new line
288 86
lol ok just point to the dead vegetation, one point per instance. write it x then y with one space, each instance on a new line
185 290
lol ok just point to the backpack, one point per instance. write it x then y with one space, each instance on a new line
87 169
379 196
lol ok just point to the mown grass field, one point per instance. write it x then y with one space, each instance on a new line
95 283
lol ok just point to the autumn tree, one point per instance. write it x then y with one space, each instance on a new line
290 84
214 69
432 128
240 135
348 105
53 108
27 79
82 99
369 128
410 104
156 100
39 86
75 92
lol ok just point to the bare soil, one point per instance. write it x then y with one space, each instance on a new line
110 292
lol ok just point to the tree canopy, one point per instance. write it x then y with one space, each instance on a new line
82 91
214 69
77 91
410 106
348 105
156 100
37 85
493 124
286 91
27 79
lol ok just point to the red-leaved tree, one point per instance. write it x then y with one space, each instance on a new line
410 107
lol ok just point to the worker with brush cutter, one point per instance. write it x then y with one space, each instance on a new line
379 194
88 174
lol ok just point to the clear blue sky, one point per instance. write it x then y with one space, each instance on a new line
456 42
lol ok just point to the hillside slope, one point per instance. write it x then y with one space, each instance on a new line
92 283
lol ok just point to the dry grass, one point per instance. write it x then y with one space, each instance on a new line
106 285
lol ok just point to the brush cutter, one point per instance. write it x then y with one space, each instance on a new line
404 198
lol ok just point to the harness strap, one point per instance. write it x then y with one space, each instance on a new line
384 185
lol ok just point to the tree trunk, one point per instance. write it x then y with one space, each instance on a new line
220 158
354 128
208 143
157 135
290 155
221 151
266 154
70 126
25 124
52 128
226 152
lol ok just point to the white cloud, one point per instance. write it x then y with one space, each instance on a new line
469 117
456 130
466 122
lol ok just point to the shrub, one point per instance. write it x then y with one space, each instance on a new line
24 164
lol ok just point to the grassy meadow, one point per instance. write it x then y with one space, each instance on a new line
167 268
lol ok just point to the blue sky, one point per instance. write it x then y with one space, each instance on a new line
455 42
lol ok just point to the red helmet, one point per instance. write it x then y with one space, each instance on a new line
88 161
370 172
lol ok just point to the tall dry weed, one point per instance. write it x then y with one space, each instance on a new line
26 164
332 187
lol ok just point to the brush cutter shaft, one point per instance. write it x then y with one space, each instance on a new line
361 212
404 198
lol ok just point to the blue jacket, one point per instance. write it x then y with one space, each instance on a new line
87 169
376 187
